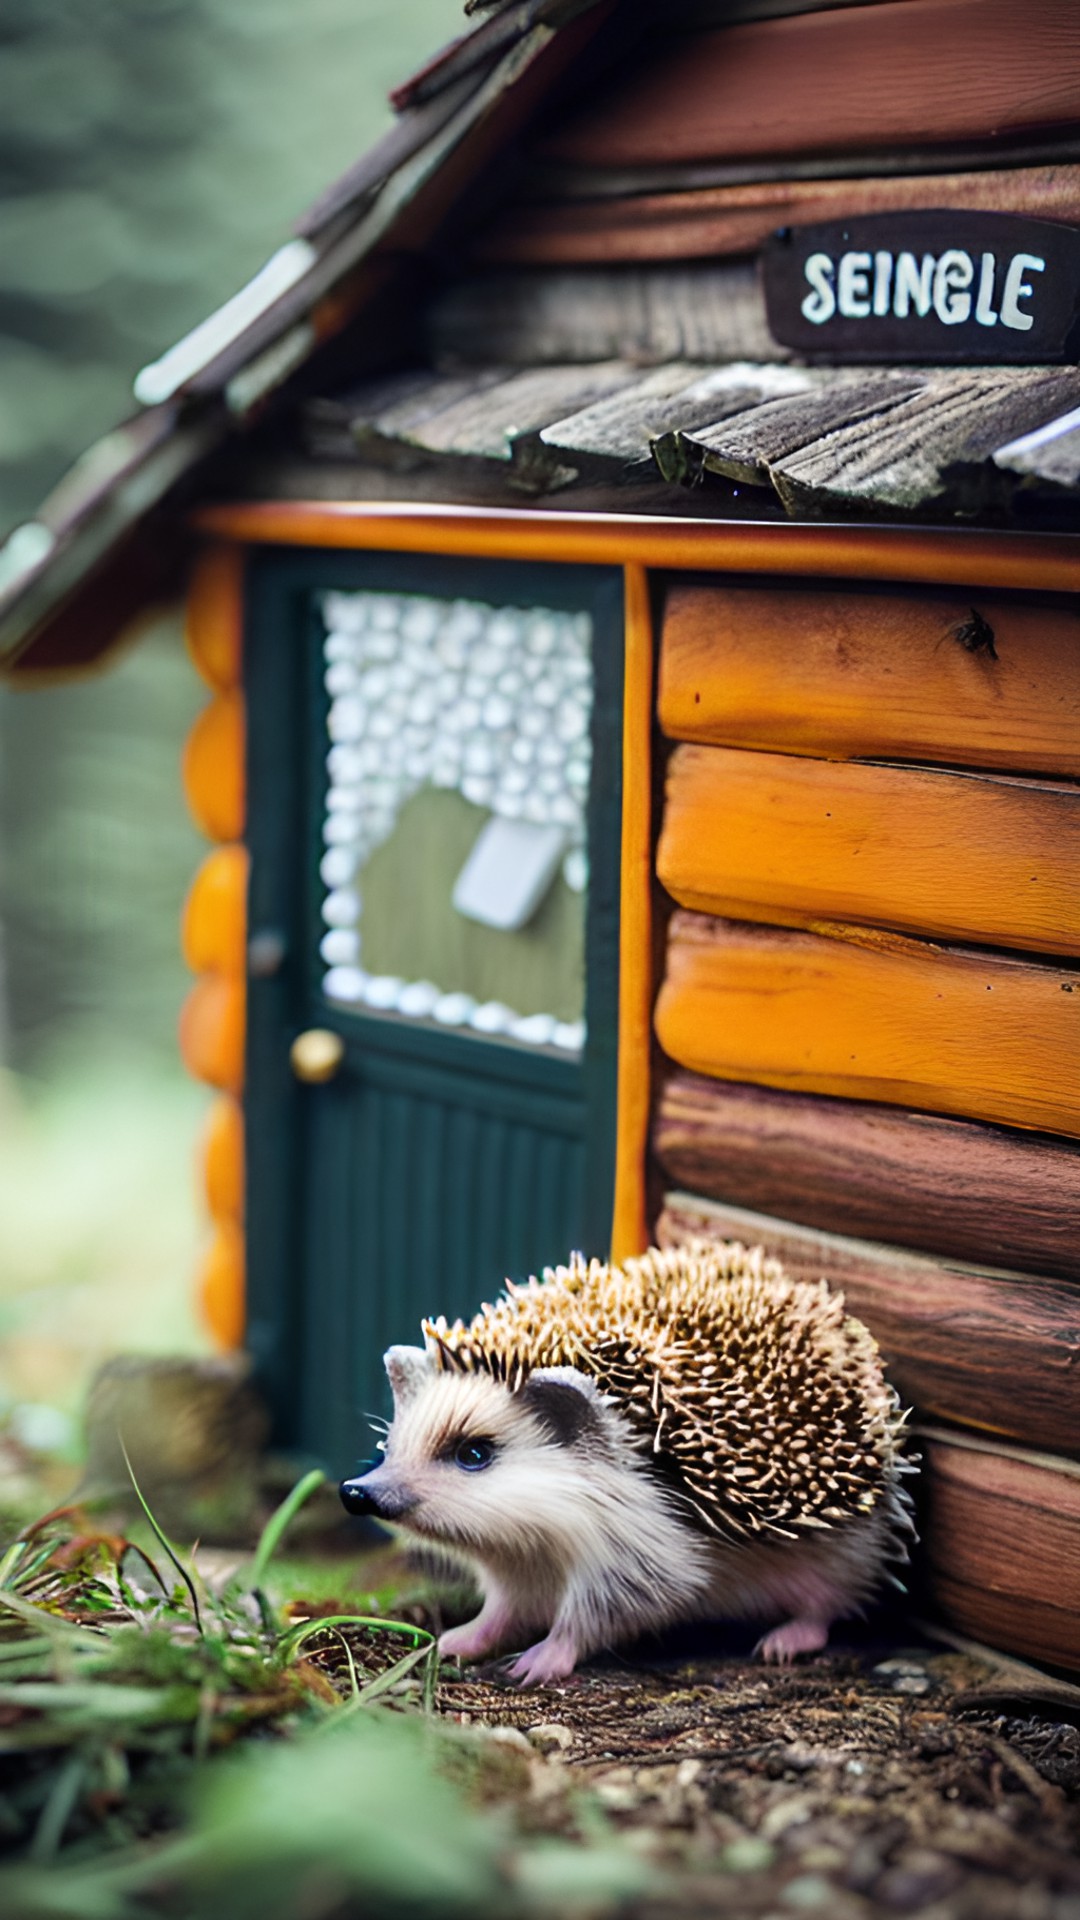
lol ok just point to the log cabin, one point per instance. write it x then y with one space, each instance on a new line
629 536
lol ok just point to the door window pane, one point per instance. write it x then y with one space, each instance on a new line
455 861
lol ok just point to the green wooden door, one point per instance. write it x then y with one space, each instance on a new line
434 803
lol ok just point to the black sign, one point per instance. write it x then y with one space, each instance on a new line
930 287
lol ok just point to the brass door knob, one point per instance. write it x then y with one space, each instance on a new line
316 1054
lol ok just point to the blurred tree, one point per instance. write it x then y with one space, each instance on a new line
152 154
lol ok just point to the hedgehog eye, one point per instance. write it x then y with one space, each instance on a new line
473 1455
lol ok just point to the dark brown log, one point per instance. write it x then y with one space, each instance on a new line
887 76
948 1187
1001 1546
994 1350
713 221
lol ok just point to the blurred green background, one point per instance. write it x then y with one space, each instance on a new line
152 154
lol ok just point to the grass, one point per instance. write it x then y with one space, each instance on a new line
99 1226
171 1744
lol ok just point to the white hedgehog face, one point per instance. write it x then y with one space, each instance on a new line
473 1466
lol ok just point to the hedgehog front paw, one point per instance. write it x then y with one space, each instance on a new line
476 1638
550 1660
796 1636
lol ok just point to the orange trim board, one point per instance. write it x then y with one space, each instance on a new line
629 1230
950 557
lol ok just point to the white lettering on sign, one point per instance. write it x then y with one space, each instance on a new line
1016 288
860 286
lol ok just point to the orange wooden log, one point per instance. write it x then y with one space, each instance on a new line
220 1286
212 1031
213 627
222 1155
214 926
213 768
875 1016
904 676
959 856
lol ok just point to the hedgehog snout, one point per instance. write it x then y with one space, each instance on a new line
369 1496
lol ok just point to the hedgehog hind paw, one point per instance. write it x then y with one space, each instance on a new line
801 1635
549 1661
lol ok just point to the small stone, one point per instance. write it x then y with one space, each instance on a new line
340 947
807 1892
571 722
576 870
340 677
338 866
341 908
498 712
417 999
904 1676
344 613
345 721
568 1035
344 983
492 1017
381 991
420 620
917 1878
380 646
344 764
565 810
617 1797
338 646
504 628
453 1009
550 1736
534 1030
508 1737
384 612
479 755
542 636
747 1855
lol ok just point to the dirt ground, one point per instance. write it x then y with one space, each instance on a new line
858 1783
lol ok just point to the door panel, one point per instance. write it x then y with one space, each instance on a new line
442 1158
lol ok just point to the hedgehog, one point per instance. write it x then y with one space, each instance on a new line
611 1450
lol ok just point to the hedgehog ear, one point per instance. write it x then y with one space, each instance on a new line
566 1403
406 1369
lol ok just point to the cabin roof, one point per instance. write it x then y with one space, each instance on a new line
549 378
